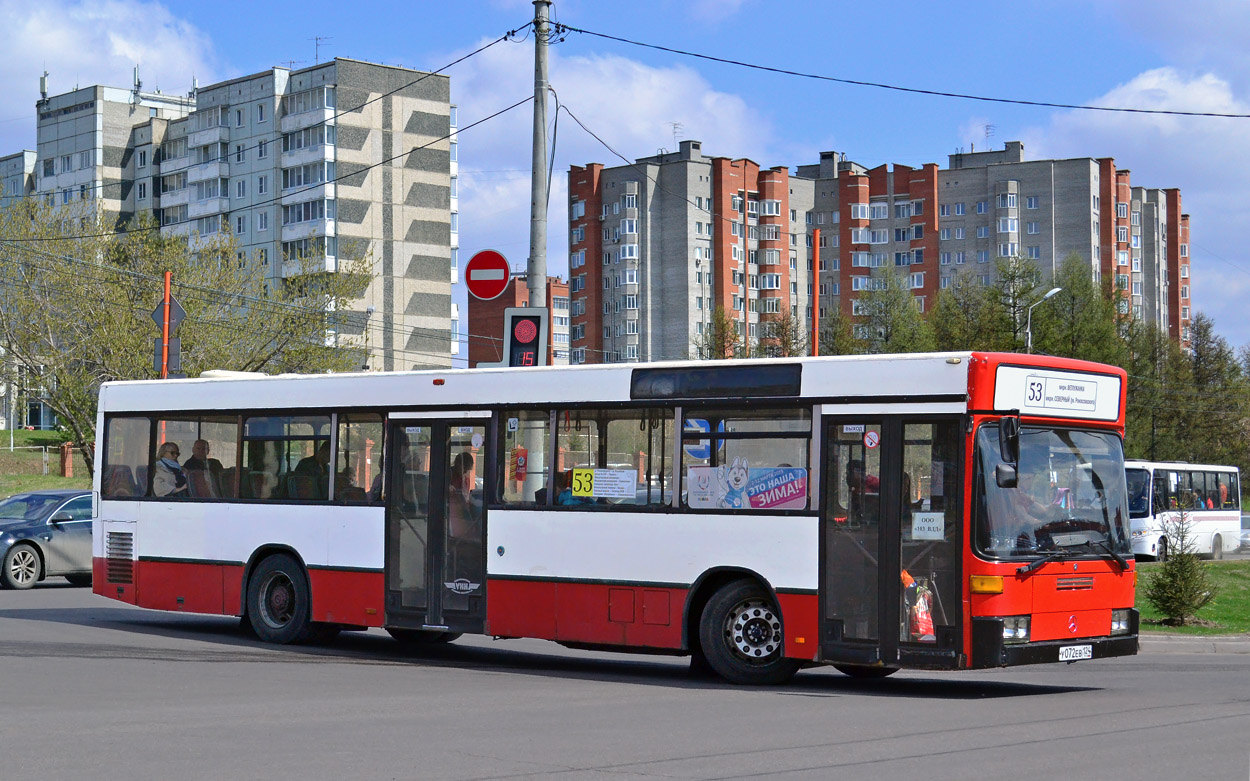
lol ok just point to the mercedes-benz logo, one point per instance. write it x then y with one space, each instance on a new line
1072 624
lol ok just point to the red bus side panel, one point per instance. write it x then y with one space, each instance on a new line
521 608
182 586
347 597
801 615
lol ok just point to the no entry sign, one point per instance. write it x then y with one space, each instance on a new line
487 275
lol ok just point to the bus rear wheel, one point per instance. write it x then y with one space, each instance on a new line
1162 555
741 635
278 601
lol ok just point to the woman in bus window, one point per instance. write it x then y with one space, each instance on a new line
168 479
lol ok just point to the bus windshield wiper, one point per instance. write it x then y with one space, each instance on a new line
1118 558
1054 555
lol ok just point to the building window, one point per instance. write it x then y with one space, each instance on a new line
859 211
240 188
944 234
262 149
878 211
1008 225
983 256
983 231
261 114
959 258
959 210
1033 227
1035 252
143 191
1121 210
240 224
959 232
1006 200
262 185
1008 249
1184 250
982 207
262 221
1121 234
1030 202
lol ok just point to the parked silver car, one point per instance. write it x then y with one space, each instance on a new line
45 533
1245 532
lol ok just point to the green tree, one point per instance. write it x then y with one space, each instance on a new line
837 336
963 314
891 316
76 312
720 339
1081 320
1180 588
1016 287
784 337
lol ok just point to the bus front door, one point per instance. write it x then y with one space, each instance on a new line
435 525
891 542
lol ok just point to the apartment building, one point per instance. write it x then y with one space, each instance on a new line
485 335
344 160
657 246
17 176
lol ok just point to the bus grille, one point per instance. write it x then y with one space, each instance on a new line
1075 584
119 550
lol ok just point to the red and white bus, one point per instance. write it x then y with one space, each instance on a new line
869 512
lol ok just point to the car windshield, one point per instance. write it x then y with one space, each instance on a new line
27 507
1070 494
1138 492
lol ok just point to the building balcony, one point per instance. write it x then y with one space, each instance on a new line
207 206
295 267
309 154
173 165
303 230
211 135
292 122
175 197
217 169
308 192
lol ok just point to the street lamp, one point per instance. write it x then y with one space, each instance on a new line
1028 328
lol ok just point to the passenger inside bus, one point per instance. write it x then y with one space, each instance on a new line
168 477
311 477
203 473
865 493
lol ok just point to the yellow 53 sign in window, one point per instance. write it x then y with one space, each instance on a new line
605 483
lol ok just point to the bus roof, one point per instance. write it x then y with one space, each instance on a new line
1178 465
924 378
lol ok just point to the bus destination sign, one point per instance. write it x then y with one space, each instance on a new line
1060 394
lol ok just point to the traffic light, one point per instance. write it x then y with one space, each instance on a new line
524 337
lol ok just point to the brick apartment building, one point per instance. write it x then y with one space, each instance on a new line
657 246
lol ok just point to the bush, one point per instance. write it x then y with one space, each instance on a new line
1180 588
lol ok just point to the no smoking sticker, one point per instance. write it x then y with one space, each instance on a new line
871 439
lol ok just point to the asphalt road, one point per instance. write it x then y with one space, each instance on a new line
94 689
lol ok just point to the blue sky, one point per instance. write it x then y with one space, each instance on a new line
1146 53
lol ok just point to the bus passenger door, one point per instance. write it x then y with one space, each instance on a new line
892 541
859 567
435 524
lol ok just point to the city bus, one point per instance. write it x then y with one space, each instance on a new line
1206 497
872 513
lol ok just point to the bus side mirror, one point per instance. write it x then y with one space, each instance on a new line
1005 475
1009 439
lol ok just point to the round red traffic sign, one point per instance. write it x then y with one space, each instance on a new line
487 275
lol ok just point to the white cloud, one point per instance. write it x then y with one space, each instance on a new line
715 11
84 43
1205 157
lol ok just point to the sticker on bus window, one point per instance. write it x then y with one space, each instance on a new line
477 440
853 428
605 483
412 429
928 526
513 424
737 486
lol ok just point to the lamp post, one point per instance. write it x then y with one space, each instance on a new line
1028 328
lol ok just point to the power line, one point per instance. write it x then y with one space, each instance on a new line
506 36
278 198
914 90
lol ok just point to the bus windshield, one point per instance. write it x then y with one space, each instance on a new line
1138 492
1070 495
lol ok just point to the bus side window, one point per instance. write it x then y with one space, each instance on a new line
126 458
358 463
523 454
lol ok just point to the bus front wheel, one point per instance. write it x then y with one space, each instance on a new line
1162 555
278 602
1217 548
741 635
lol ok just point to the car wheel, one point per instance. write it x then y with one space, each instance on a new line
278 602
22 567
79 580
741 635
862 671
1217 548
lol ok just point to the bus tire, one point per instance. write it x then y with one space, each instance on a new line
865 672
1162 554
741 635
278 601
22 567
1217 548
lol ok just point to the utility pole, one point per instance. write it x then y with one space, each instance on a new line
536 268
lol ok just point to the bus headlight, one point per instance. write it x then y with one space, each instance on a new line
1016 629
1119 622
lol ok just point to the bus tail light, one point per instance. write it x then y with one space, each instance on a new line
1016 629
1119 622
987 584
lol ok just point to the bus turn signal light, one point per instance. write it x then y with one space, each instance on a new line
987 584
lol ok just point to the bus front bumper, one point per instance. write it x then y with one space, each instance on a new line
989 650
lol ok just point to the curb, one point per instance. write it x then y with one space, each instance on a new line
1171 644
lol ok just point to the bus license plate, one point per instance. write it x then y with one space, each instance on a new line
1070 653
